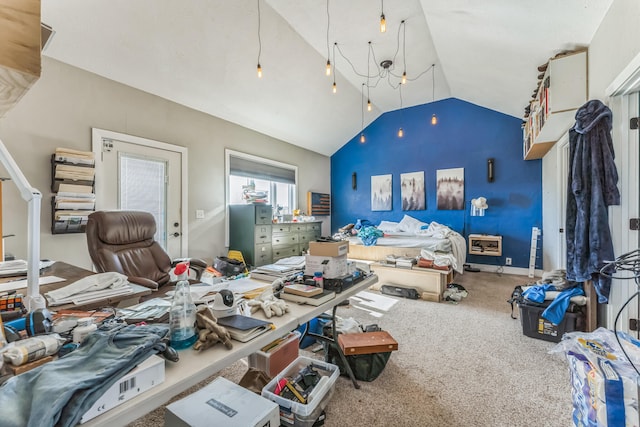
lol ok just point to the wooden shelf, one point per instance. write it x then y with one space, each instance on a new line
561 91
484 244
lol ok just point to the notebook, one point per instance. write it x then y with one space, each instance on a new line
244 328
315 300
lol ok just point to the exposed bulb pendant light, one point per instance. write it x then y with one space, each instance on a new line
404 52
334 87
259 68
362 138
400 130
328 68
383 21
434 119
368 103
369 107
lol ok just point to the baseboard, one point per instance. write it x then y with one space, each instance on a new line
518 271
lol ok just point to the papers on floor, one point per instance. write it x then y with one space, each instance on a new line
372 302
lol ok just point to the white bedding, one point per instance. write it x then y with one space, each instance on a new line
437 241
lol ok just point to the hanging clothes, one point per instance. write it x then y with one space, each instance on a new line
593 180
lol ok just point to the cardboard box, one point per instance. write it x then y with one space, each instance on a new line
329 248
222 403
330 266
274 359
145 376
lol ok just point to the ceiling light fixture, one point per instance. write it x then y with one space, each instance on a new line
362 138
434 119
368 62
328 68
400 130
335 87
404 52
383 21
259 44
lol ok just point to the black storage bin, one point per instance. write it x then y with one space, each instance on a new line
535 326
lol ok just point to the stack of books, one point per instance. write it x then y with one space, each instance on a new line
271 272
306 294
244 328
69 155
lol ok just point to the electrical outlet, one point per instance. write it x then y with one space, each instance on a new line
199 214
507 261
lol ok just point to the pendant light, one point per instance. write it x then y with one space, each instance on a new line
404 52
259 68
328 68
400 130
368 62
383 21
434 119
334 87
362 138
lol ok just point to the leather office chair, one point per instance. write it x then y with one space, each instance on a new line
122 241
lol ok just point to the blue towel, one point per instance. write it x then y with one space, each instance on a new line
555 312
536 293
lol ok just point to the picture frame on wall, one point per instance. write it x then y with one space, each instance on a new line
412 191
381 192
450 189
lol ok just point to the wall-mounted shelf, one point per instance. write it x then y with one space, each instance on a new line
72 178
485 244
561 91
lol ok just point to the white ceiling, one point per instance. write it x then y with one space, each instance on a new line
203 54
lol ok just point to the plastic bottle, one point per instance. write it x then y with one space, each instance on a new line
182 317
317 278
33 348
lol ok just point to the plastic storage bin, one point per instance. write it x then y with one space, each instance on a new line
299 414
535 326
277 358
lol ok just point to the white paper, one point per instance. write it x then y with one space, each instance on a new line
22 283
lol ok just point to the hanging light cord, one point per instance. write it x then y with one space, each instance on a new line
259 39
433 82
328 20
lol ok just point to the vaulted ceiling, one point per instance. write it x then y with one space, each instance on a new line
203 54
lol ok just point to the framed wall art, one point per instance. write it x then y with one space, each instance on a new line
412 191
450 189
381 192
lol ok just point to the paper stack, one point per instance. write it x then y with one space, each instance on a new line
77 157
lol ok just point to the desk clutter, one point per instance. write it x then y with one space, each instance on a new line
223 310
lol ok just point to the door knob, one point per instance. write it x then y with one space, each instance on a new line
176 224
176 234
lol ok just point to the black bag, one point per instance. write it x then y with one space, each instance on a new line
399 291
516 298
365 367
229 266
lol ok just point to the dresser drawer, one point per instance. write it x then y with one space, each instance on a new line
280 228
297 227
316 227
284 252
263 214
284 239
262 254
262 234
307 237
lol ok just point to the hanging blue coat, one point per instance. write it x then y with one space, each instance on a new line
593 180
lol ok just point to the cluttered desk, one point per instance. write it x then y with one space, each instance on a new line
195 366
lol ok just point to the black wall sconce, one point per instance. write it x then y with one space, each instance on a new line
354 181
491 171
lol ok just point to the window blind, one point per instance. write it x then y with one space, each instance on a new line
251 169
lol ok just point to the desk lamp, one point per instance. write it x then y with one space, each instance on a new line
33 198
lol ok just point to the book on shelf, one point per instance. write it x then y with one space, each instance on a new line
74 156
75 190
74 172
244 328
315 300
302 290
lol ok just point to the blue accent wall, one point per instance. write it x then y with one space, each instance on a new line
465 137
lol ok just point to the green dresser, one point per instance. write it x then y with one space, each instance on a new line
251 231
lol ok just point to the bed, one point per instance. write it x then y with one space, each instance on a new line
413 238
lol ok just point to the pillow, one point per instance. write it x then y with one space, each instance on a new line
388 226
410 224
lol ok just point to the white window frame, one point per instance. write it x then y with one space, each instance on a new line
232 153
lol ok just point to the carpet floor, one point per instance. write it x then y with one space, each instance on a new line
464 364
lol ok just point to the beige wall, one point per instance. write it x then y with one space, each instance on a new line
61 109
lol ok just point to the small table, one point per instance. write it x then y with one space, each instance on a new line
71 273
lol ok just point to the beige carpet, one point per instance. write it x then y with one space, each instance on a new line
465 364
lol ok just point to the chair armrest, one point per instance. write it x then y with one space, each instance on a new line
143 281
196 264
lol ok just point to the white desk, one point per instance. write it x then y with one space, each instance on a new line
194 366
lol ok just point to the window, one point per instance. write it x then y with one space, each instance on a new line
254 179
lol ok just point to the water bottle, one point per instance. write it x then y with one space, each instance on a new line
182 317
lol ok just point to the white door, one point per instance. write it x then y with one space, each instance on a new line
139 174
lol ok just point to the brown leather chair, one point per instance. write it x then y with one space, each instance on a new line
122 241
